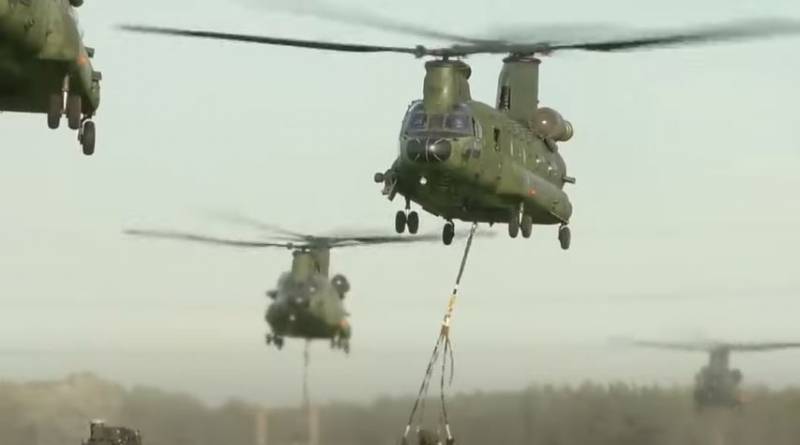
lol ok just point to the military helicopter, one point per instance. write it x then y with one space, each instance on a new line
307 303
45 67
463 159
717 385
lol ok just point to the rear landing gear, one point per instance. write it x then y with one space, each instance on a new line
513 224
55 110
86 136
76 119
526 226
448 233
564 236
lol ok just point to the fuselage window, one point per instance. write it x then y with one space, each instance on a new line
497 139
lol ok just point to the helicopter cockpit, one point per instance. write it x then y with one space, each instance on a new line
427 137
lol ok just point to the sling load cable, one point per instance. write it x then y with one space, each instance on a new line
443 342
306 362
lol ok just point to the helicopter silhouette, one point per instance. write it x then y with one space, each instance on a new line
461 159
306 303
717 384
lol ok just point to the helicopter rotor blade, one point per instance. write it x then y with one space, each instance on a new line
311 44
286 235
676 346
184 236
732 31
363 18
756 347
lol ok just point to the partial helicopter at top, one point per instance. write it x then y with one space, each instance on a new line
716 384
461 159
45 67
307 303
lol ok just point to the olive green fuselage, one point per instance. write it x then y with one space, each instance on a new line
307 303
42 53
494 169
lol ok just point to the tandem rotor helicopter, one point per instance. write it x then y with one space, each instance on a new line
717 385
45 67
467 160
307 302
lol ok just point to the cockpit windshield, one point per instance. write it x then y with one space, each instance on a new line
457 122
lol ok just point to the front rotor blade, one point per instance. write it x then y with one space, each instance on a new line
745 347
260 225
678 346
311 44
351 16
183 236
733 31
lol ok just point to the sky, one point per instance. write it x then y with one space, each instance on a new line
684 227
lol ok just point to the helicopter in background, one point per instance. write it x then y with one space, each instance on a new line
307 303
500 163
717 385
45 67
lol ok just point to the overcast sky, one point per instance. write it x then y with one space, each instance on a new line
685 225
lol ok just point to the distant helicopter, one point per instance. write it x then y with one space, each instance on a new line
44 63
717 385
500 163
307 303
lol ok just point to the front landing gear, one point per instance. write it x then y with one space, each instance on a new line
564 236
405 219
275 339
448 233
341 343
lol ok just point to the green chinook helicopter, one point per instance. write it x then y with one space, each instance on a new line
500 163
717 385
45 67
307 303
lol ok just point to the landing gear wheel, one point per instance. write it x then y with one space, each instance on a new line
564 237
269 339
513 225
55 110
527 226
400 221
345 346
278 342
413 222
87 138
448 233
74 111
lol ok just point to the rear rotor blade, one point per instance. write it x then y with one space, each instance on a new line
732 31
183 236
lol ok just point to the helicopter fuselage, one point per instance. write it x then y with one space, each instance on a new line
41 54
309 308
478 165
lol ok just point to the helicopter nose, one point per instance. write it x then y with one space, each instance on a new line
428 150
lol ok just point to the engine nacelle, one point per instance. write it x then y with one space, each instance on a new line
549 124
76 3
